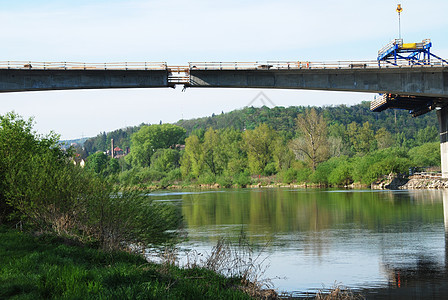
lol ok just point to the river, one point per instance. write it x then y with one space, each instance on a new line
384 244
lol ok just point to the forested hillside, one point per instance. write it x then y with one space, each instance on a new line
335 145
283 119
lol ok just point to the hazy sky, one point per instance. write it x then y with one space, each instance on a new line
178 32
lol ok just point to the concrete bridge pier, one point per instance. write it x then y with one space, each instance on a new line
442 115
445 215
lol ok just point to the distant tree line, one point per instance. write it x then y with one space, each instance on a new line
330 146
282 120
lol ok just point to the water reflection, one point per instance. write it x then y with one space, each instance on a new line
393 243
424 273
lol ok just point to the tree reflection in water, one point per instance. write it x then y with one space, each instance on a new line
390 244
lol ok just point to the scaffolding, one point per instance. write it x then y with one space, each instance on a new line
413 53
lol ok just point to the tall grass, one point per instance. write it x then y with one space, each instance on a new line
47 267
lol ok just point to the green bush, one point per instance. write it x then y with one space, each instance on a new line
387 166
242 179
137 176
270 169
366 169
174 175
224 181
323 170
341 175
207 178
42 186
165 160
303 172
426 155
288 176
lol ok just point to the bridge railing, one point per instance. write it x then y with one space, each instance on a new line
83 66
278 65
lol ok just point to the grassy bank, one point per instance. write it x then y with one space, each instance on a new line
47 267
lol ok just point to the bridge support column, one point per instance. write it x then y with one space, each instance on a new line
442 115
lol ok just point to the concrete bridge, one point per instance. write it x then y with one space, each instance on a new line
416 87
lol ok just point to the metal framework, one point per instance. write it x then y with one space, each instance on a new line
396 52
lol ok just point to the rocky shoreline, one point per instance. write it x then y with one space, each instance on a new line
416 182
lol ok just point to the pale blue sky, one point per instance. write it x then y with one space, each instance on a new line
181 31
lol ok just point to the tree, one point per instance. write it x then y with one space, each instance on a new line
259 145
384 138
97 162
165 160
19 145
313 141
191 161
150 138
212 153
428 134
361 138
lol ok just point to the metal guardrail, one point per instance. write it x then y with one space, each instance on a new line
427 175
82 66
277 65
267 65
178 74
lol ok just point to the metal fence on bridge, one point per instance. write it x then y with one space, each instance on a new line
268 65
27 65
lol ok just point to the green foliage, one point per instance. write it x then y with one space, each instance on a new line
270 169
151 138
114 166
224 181
303 172
43 188
207 178
323 171
97 162
138 176
259 145
46 268
165 160
428 134
366 169
242 179
102 142
191 161
426 155
20 146
342 172
289 176
361 138
174 175
281 119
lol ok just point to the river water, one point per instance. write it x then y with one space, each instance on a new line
384 244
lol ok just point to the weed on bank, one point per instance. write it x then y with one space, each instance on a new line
33 267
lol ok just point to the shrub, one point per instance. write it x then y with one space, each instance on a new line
174 175
426 155
303 172
341 175
289 176
242 179
45 189
270 169
224 181
207 178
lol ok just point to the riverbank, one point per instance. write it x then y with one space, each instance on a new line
415 182
45 267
